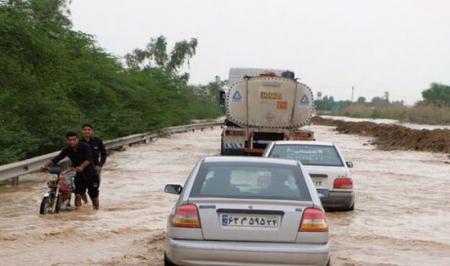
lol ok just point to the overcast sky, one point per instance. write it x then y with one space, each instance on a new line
376 46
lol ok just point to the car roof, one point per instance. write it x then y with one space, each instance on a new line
300 142
232 159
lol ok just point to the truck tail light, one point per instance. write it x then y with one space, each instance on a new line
186 216
343 182
313 220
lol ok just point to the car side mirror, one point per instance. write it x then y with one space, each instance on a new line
349 164
173 189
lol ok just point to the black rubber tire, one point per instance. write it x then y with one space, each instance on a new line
44 206
352 207
58 204
167 262
341 209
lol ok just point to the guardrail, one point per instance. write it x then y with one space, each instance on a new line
14 170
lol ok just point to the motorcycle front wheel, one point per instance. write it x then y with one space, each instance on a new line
58 204
44 205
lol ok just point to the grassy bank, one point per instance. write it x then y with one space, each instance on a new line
426 114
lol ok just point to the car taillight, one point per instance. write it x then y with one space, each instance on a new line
343 182
186 216
313 220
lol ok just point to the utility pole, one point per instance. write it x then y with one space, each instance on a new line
353 92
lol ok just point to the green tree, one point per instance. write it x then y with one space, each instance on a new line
327 103
156 55
379 101
361 100
437 94
53 79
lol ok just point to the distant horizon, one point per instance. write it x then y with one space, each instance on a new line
331 45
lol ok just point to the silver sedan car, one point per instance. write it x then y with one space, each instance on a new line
247 211
326 166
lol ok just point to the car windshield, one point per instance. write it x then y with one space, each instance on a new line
324 155
250 181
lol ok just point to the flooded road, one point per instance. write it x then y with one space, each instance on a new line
402 211
401 217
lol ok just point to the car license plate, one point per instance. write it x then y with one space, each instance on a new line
318 182
250 220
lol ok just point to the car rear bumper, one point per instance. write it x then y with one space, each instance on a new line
339 199
200 252
233 152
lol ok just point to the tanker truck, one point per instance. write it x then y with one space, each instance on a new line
264 105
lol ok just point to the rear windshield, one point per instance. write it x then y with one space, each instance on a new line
308 154
250 181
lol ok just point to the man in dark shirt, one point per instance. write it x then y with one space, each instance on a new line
97 147
98 153
86 176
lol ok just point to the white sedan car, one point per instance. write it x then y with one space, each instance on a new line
326 166
247 211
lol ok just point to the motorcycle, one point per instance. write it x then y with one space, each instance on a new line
59 191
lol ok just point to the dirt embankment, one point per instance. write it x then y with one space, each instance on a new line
393 137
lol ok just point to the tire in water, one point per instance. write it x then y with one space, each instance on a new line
44 205
167 262
58 203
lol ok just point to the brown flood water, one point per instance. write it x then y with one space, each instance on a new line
402 214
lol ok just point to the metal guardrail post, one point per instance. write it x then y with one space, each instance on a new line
15 181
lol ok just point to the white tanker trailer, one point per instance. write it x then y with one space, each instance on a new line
264 105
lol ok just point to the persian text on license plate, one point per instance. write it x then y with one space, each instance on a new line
243 220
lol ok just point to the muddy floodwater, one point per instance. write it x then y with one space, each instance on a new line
401 217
